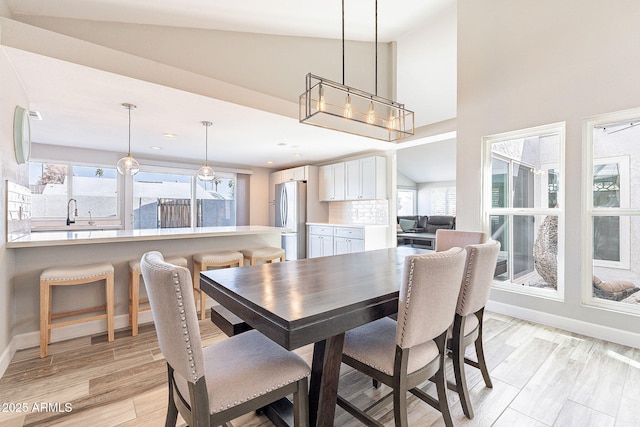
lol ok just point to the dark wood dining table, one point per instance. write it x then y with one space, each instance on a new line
313 301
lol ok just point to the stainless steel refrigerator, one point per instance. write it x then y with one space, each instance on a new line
291 215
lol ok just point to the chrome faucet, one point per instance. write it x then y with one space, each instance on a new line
75 211
91 221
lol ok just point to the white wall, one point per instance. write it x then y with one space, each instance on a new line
12 95
523 64
426 69
405 182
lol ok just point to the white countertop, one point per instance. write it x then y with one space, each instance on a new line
347 225
80 237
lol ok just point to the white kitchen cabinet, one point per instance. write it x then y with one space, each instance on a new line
320 241
326 239
366 179
295 174
332 182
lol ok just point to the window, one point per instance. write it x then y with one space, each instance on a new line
52 185
613 210
165 200
522 205
443 201
406 202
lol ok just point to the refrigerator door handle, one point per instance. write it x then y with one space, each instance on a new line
285 207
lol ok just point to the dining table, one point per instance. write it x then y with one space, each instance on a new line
313 301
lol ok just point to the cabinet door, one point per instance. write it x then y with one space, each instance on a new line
299 173
352 172
315 246
340 245
338 181
356 245
325 188
320 246
287 175
331 182
368 178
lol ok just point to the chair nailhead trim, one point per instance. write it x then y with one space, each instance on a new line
467 279
185 327
406 305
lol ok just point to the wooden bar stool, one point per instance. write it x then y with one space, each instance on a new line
135 273
267 254
202 262
66 276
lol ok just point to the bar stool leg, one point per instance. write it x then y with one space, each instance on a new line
44 316
109 294
197 293
134 302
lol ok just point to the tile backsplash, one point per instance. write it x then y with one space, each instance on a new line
374 212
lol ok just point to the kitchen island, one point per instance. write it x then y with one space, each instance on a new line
39 250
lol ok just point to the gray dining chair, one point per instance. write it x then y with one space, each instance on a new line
447 239
467 324
405 353
211 386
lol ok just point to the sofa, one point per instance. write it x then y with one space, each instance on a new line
421 229
425 224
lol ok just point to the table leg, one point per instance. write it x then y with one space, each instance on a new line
325 374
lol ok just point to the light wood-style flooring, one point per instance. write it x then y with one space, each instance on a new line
542 377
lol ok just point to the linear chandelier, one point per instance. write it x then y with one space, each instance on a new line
336 106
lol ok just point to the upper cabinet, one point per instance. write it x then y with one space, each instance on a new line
295 174
332 182
366 179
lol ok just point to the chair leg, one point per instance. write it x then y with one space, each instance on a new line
441 387
482 363
172 410
400 406
461 380
301 404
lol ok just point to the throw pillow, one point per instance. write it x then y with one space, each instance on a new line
407 224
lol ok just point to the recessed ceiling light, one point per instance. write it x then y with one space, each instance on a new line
270 162
282 144
297 154
154 147
169 135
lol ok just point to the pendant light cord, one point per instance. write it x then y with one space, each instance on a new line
129 152
206 144
343 42
376 47
376 43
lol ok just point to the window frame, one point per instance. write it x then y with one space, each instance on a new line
589 212
487 209
415 198
99 222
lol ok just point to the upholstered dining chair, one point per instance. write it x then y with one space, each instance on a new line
467 324
211 386
447 239
406 353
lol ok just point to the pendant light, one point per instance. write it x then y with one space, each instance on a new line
333 105
128 165
206 173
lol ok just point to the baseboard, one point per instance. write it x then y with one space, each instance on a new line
6 356
630 339
121 321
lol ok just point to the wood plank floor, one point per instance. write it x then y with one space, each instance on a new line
542 377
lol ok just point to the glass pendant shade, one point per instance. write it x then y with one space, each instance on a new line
206 172
128 165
